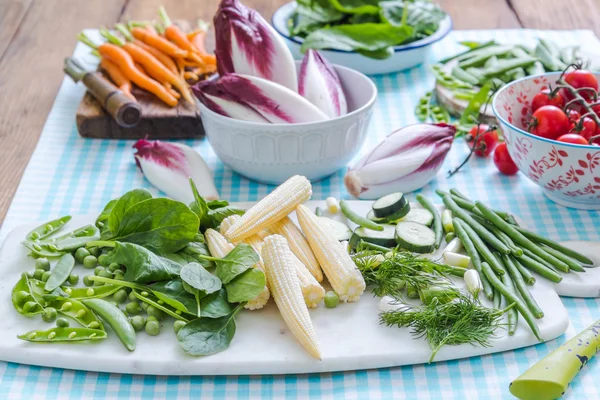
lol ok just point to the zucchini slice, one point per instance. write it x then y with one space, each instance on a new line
415 237
339 230
418 215
387 205
382 238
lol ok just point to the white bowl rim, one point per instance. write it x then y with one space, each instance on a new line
443 30
524 132
315 124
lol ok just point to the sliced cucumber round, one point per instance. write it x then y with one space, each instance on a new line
382 238
339 230
418 215
372 217
387 205
415 237
392 219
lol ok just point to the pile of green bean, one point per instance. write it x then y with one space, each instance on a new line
505 255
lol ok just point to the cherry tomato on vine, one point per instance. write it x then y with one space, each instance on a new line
547 98
487 140
503 161
580 78
573 115
549 122
586 128
573 138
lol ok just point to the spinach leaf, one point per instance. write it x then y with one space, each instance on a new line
193 252
199 278
206 336
358 37
321 11
215 305
212 213
217 204
123 204
241 258
173 293
356 6
215 217
381 54
161 225
424 17
200 206
246 286
102 220
142 265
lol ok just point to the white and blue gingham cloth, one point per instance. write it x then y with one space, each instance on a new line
71 175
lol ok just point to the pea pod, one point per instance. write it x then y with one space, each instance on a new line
463 75
42 250
537 68
467 53
163 307
73 243
63 335
47 228
507 65
550 61
478 58
114 317
21 294
60 272
77 311
96 292
86 230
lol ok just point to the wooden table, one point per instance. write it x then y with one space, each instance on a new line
35 36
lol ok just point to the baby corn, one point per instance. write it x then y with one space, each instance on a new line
345 278
298 244
275 206
286 291
312 291
219 247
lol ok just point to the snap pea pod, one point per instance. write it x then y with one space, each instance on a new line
468 52
537 68
437 219
507 65
546 52
572 263
73 243
67 334
476 226
86 230
516 73
448 80
357 219
463 94
60 272
425 110
163 307
476 72
21 295
478 58
97 292
77 311
518 52
42 250
551 243
519 238
114 317
527 277
481 247
541 269
512 298
47 228
568 55
517 278
463 75
475 259
491 62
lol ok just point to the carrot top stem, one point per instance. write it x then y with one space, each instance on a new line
111 38
159 28
83 38
164 17
124 31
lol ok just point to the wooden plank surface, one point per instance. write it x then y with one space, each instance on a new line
40 33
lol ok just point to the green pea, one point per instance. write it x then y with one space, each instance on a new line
112 267
46 276
331 299
118 272
103 260
96 283
42 263
160 302
27 274
81 313
62 323
132 297
22 296
80 254
155 312
133 308
138 322
51 335
120 296
119 277
105 274
38 273
90 292
94 325
68 291
87 281
178 325
95 251
29 306
66 306
34 236
90 262
145 294
73 279
152 328
151 318
97 270
145 306
49 314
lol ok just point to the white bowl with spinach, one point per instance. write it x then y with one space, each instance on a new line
371 37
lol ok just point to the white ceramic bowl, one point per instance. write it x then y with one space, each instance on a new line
271 153
569 174
406 56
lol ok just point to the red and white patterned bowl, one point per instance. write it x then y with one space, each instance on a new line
569 174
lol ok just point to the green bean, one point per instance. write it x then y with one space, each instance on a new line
116 319
522 288
568 55
462 95
481 247
47 228
520 239
550 243
357 219
527 277
449 236
437 220
448 81
572 263
475 72
512 314
60 272
63 335
554 51
516 251
497 299
512 298
76 310
464 202
537 68
540 260
463 75
541 269
367 245
468 52
476 226
472 252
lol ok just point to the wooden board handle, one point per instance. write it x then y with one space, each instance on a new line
125 111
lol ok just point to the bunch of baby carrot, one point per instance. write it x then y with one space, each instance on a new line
157 57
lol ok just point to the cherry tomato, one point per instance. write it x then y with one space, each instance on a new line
547 98
486 141
580 78
503 161
586 128
573 115
573 138
549 122
596 109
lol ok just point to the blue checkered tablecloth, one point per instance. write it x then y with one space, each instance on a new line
71 175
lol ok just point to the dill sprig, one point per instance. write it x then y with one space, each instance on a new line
463 320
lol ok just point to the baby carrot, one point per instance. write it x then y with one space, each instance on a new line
160 56
158 42
116 75
125 62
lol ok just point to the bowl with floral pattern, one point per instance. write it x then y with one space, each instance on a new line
569 174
